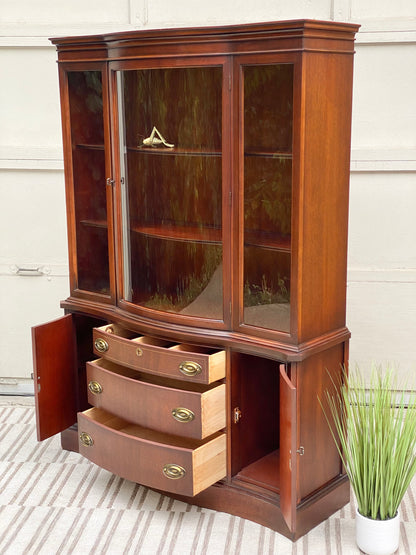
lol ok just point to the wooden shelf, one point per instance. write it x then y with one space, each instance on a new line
102 224
89 147
176 151
268 154
264 473
268 240
189 233
202 234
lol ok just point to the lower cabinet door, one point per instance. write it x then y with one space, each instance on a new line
54 364
288 449
164 462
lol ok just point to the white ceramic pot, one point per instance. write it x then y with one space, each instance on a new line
377 537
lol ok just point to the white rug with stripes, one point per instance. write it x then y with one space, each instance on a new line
56 502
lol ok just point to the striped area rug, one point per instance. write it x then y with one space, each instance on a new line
56 502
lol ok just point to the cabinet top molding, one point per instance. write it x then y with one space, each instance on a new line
296 35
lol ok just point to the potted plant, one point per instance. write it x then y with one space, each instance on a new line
374 429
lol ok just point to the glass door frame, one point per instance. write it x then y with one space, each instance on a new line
65 68
240 62
166 63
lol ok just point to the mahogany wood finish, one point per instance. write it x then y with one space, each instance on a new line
209 277
141 455
190 410
160 357
54 363
289 449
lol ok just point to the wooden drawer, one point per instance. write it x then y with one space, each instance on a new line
148 354
160 461
180 408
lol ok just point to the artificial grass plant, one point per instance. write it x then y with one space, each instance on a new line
374 429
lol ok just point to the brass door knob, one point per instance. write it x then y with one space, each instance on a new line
101 345
95 387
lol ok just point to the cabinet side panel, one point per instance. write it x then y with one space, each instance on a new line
325 185
54 373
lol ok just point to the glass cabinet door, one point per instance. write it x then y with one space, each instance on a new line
267 169
170 127
85 94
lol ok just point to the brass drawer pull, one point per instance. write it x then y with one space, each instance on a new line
183 415
95 387
189 368
86 439
101 345
174 471
139 352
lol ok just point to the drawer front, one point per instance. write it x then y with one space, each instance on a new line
197 412
155 460
148 354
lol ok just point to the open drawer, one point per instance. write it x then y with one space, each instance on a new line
164 462
149 354
181 408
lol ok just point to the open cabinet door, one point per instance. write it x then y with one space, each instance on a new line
54 363
288 443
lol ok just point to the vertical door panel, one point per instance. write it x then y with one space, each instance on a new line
266 164
87 141
288 470
54 364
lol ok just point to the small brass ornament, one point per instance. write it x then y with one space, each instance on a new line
156 139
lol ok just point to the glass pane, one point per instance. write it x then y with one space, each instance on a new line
170 126
88 158
268 114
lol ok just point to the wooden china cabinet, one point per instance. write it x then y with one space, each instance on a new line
207 176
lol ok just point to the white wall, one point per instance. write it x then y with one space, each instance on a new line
382 254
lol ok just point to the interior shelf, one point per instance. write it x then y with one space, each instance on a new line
102 224
268 240
268 154
176 151
189 233
264 472
89 146
196 234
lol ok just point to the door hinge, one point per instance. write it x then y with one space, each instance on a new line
110 182
301 450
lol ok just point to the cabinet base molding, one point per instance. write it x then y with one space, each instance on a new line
266 511
255 503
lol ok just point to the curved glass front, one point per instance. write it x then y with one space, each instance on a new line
171 173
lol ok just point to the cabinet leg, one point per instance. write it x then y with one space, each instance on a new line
69 439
